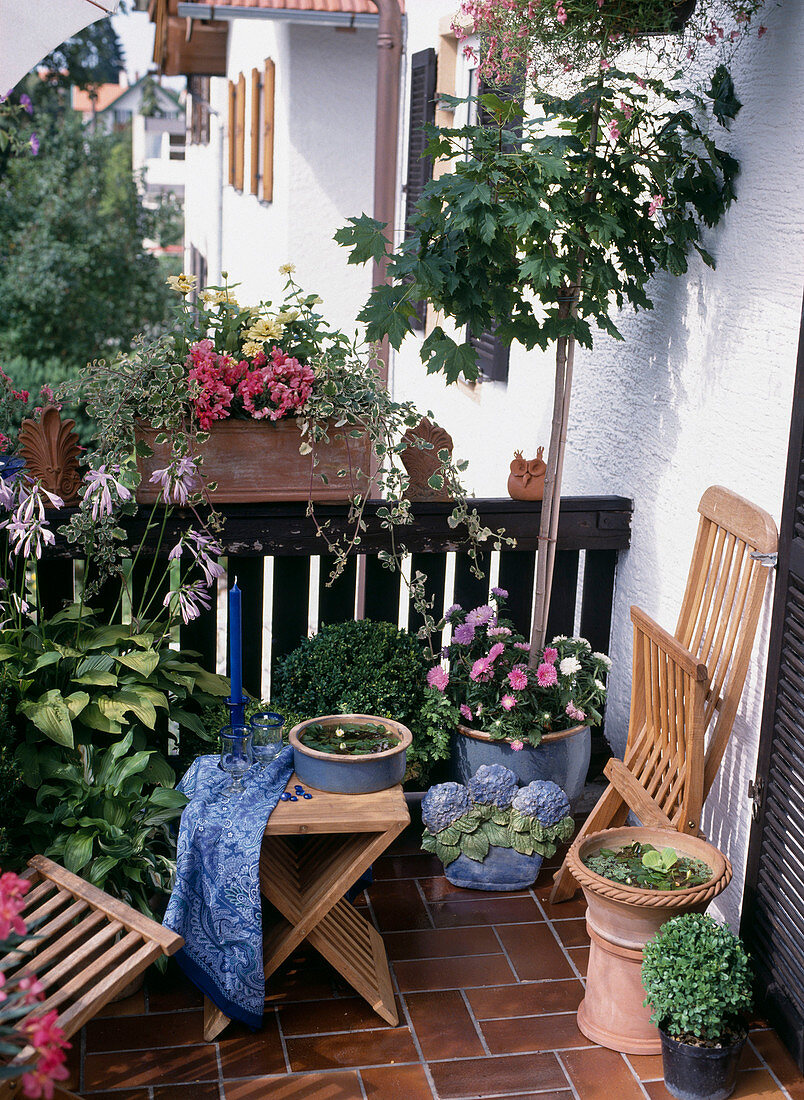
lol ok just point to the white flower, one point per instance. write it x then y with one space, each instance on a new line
559 638
569 666
583 642
600 685
603 659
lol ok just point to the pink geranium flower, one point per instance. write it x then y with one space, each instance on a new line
546 675
438 677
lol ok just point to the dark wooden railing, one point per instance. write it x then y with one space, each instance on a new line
273 550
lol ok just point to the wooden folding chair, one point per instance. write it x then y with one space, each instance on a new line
83 946
686 687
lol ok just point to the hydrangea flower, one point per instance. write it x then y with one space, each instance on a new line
543 800
493 784
443 804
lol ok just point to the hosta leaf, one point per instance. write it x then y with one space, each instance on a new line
52 718
144 663
77 851
95 662
96 679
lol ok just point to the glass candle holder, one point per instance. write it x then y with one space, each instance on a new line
266 736
237 755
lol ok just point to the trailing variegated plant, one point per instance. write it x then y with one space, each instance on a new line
492 812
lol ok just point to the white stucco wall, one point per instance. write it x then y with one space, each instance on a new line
323 166
699 393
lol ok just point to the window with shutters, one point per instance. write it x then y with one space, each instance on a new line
198 268
240 134
420 167
198 87
268 94
256 130
773 909
232 126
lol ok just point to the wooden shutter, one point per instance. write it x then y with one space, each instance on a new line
773 909
256 103
198 86
420 168
240 133
232 129
268 94
492 356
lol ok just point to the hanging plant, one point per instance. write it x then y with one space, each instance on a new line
553 43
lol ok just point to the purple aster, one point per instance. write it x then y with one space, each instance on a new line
463 634
25 101
499 593
452 610
484 614
35 145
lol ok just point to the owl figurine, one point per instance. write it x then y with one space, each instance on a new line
526 480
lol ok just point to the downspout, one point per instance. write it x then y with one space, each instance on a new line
389 67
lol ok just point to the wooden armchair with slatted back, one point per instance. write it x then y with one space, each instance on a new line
686 687
83 946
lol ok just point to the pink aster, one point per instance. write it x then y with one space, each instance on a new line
466 712
524 646
575 712
496 650
438 677
481 670
550 655
518 679
546 675
508 702
655 203
517 746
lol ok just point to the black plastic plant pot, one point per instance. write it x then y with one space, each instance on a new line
700 1073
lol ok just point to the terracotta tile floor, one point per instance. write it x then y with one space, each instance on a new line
487 987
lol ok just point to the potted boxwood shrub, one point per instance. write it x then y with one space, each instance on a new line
697 979
624 912
492 835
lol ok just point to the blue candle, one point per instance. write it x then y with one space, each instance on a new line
235 646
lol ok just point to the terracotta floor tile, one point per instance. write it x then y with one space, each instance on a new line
398 906
245 1053
333 1014
778 1057
304 977
404 1082
560 1094
580 956
513 1036
438 889
415 865
526 999
753 1084
443 1025
131 1006
172 1029
575 907
463 972
534 953
572 933
495 1076
73 1063
356 1048
171 991
209 1091
431 943
500 910
176 1065
599 1074
125 1094
305 1086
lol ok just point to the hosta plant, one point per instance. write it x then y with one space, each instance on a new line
492 810
98 816
697 978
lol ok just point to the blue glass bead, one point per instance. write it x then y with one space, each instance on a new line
284 797
293 798
307 795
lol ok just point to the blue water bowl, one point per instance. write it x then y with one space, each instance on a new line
351 774
502 869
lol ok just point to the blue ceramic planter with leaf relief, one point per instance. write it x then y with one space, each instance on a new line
502 869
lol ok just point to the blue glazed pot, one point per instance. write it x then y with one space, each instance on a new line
351 774
562 757
502 869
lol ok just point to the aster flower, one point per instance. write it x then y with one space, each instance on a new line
508 702
464 634
574 712
498 632
550 655
546 675
496 651
438 677
499 593
480 615
466 712
481 670
518 679
453 609
569 666
517 745
603 658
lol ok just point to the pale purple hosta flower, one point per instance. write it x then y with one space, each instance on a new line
192 600
99 486
204 550
7 495
179 481
27 527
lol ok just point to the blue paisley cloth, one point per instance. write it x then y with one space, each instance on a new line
215 904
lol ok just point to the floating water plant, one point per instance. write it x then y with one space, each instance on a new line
349 739
648 867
